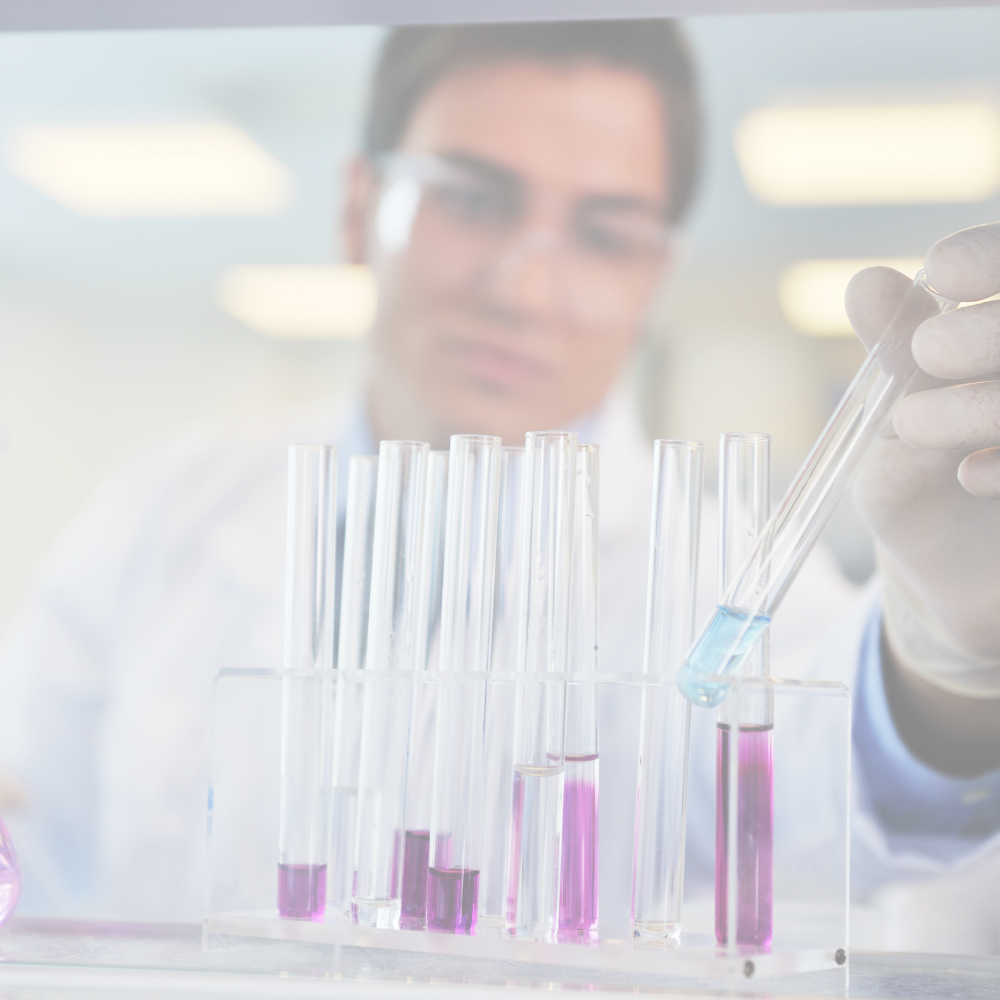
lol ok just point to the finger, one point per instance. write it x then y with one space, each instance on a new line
966 265
979 473
958 417
871 299
964 343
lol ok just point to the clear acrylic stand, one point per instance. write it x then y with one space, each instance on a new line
809 949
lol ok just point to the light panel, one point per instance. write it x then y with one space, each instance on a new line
301 301
151 171
871 154
811 292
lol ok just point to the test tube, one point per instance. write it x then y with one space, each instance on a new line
664 729
359 530
500 697
578 891
420 769
755 592
393 649
745 501
310 568
534 840
466 626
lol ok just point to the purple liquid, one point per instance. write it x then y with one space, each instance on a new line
414 903
302 892
578 876
10 875
452 900
754 835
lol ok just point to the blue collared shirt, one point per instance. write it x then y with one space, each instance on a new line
908 796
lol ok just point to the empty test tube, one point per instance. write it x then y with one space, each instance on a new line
310 568
500 697
420 768
466 626
578 892
393 649
534 840
359 529
744 777
856 425
661 796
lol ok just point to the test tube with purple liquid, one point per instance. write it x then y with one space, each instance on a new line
310 566
744 766
393 656
578 888
466 635
420 766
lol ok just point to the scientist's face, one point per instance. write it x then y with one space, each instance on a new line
516 237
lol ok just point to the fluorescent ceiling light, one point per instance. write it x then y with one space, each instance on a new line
871 155
300 300
811 292
206 169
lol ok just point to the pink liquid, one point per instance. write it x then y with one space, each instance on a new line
302 892
416 849
10 875
754 835
578 876
452 900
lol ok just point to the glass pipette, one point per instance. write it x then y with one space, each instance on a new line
856 425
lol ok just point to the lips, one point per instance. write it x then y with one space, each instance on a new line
494 366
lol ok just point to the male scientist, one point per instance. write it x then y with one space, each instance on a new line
516 198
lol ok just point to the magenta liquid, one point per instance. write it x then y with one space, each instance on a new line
10 875
302 892
578 875
414 903
452 900
754 835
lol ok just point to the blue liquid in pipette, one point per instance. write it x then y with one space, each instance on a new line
722 649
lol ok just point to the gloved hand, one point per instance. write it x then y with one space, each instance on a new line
931 489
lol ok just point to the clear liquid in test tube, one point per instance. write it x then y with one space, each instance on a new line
310 573
535 837
359 531
393 656
661 796
500 698
420 770
755 592
578 892
466 633
744 772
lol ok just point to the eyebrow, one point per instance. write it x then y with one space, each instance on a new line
488 170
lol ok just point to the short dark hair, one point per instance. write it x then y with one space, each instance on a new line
414 59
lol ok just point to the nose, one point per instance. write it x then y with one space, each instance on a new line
526 281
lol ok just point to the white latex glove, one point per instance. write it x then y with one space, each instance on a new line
931 489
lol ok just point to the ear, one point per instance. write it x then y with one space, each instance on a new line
361 189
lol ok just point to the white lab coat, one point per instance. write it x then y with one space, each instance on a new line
176 569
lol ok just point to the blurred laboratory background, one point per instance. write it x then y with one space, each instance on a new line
170 251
